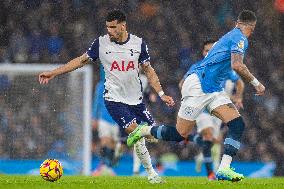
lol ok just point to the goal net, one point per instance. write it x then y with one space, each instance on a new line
46 121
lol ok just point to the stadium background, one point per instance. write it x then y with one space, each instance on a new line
54 31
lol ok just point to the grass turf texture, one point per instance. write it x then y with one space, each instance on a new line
70 182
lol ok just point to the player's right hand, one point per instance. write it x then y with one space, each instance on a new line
259 90
168 100
44 77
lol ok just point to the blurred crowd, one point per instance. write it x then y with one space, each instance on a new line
54 31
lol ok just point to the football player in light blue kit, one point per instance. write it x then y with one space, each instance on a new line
202 89
107 128
208 126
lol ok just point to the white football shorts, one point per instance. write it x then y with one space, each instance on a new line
105 129
194 100
205 120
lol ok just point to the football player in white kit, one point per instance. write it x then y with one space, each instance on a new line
121 55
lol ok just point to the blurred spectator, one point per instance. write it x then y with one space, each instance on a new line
54 43
58 151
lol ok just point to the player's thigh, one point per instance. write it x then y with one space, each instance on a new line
226 112
207 125
222 107
142 114
122 115
115 133
105 133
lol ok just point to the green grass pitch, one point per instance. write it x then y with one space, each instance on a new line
81 182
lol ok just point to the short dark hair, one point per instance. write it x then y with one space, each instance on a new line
116 15
247 16
208 41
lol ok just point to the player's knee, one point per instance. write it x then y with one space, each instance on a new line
207 134
183 132
107 141
131 128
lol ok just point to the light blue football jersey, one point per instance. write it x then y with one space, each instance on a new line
216 66
232 75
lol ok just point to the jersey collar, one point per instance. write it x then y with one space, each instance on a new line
122 43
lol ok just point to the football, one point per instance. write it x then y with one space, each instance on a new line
51 170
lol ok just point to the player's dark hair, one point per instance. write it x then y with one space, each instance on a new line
208 41
116 15
247 16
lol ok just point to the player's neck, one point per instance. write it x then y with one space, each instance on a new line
243 30
123 37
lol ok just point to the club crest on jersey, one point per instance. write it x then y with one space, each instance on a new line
241 44
122 66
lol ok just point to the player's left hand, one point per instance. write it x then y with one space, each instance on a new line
168 100
238 101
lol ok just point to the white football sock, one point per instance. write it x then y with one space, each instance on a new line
225 162
144 156
136 161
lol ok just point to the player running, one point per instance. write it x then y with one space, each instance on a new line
208 135
121 55
203 89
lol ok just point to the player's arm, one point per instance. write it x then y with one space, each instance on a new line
74 64
243 71
237 98
155 83
240 87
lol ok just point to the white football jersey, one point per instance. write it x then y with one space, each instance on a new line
121 65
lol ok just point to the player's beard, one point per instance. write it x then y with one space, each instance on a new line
113 38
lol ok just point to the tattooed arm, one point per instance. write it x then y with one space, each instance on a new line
243 71
240 67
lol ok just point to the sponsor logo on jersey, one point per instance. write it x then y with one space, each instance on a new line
122 66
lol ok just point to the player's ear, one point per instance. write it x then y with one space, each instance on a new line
123 26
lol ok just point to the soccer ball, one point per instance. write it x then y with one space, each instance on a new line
51 170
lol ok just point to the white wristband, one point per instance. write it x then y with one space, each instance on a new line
255 82
161 93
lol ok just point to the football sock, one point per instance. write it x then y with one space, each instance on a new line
197 139
166 133
225 162
232 142
206 150
144 156
107 155
216 155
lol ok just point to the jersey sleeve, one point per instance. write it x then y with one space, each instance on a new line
192 67
93 51
234 76
239 45
144 55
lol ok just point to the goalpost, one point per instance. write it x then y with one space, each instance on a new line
47 121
